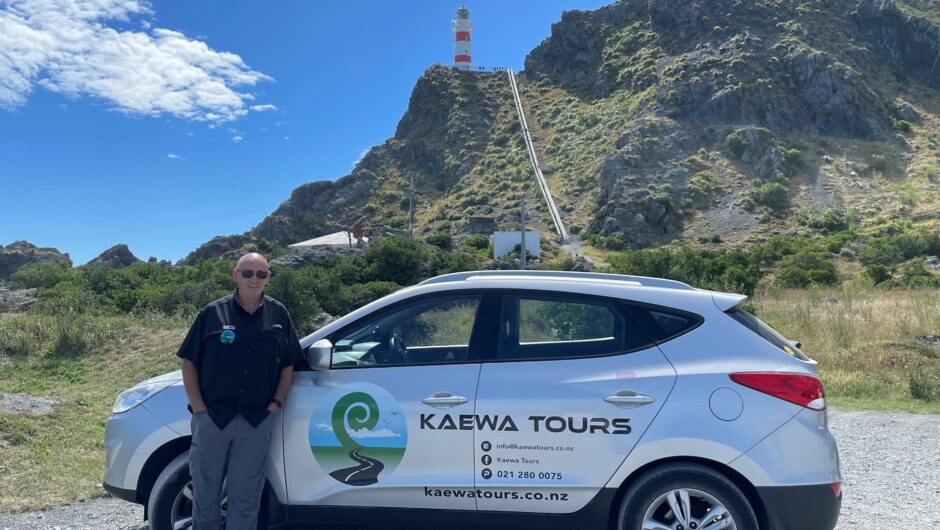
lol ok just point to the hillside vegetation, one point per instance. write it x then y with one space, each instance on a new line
659 123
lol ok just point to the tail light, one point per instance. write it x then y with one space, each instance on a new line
801 389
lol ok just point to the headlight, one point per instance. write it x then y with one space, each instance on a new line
132 397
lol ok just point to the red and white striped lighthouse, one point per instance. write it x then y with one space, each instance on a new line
462 28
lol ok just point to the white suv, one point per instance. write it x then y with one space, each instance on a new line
529 398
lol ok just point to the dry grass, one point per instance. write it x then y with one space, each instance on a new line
873 347
59 458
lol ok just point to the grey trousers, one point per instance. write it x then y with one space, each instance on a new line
235 455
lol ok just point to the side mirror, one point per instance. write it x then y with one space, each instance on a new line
319 354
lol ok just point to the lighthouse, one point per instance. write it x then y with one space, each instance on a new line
462 28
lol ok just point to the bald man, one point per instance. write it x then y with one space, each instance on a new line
237 362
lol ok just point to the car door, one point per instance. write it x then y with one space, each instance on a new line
381 427
572 387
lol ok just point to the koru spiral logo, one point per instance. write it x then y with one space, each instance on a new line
358 434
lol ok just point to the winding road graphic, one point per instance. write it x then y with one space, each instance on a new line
367 472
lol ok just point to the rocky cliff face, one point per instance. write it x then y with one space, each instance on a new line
658 120
21 253
441 137
116 257
725 98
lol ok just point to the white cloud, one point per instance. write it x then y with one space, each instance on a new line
237 138
66 46
361 433
173 156
366 433
263 108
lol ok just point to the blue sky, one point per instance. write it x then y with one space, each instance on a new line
163 124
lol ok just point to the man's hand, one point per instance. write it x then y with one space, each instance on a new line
273 408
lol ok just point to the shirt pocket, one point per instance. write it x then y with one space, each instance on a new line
273 344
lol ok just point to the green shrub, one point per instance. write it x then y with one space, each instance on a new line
396 259
294 290
831 221
440 240
771 195
913 276
41 275
878 273
363 293
805 269
476 241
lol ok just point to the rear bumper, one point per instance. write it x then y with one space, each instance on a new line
814 507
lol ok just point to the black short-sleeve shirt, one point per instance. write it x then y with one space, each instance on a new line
239 356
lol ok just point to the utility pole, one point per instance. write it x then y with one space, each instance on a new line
411 206
522 227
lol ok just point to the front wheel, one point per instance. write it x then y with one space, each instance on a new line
685 497
171 499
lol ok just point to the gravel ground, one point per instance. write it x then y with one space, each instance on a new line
890 465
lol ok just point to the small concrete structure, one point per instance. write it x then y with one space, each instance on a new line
505 242
336 239
482 225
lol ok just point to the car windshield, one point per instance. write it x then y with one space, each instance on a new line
768 333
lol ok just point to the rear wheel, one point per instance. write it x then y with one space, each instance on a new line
685 497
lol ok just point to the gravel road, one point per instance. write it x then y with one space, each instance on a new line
890 465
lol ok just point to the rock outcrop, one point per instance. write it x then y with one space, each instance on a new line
21 253
116 257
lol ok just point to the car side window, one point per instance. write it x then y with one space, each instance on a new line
664 324
432 331
555 327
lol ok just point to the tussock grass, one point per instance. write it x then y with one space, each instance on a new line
83 364
874 347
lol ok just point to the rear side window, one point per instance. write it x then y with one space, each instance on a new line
663 324
547 326
766 332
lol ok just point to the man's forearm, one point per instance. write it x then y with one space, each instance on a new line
287 375
191 385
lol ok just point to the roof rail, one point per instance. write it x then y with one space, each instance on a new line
642 280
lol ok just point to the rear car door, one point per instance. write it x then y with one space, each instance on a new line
368 432
572 386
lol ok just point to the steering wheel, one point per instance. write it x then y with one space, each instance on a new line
397 351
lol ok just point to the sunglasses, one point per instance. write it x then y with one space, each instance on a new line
249 273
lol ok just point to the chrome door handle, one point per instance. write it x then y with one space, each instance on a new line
628 399
443 400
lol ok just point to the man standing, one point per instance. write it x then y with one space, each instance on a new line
237 365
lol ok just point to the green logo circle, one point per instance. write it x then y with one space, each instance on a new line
358 434
227 337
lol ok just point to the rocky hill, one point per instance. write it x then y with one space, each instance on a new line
21 253
656 121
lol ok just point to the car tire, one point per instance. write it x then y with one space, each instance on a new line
707 498
169 505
